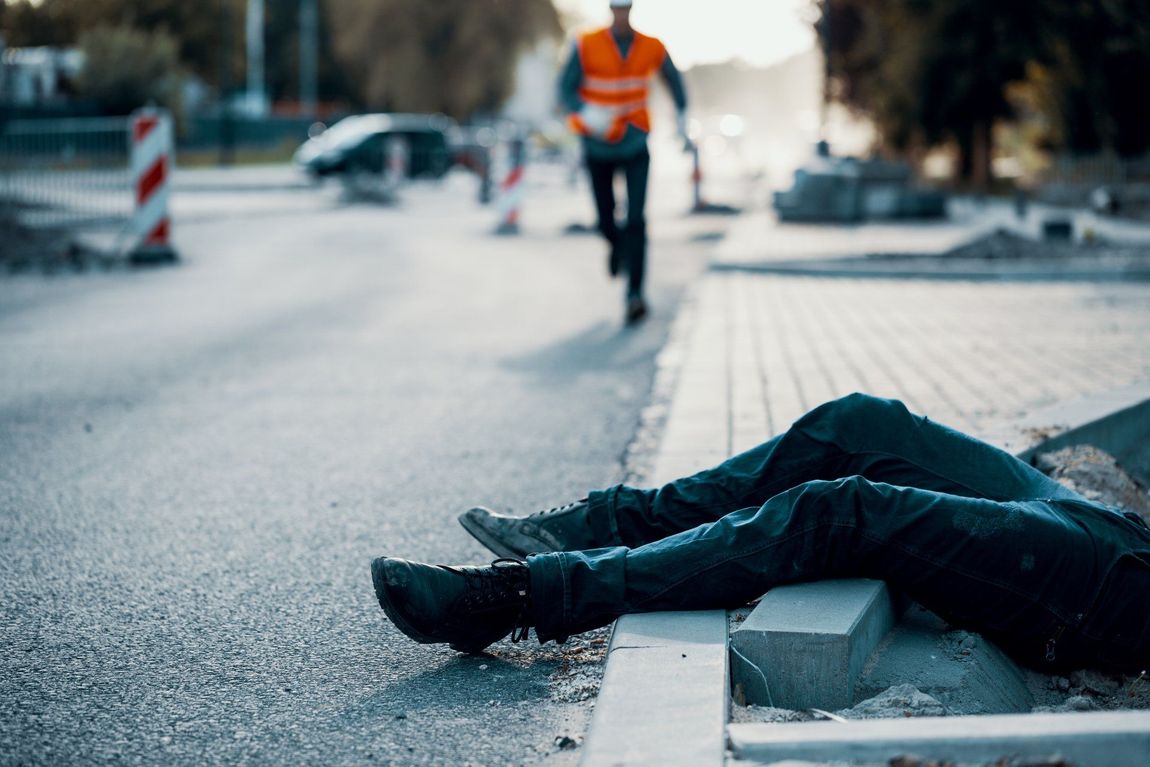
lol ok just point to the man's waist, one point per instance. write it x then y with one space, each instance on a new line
616 109
634 142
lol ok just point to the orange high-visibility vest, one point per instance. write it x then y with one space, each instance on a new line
616 83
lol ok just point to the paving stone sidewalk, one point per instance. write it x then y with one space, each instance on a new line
763 349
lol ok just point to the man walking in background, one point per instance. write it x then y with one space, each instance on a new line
605 87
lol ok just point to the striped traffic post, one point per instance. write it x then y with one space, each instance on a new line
151 159
511 190
700 203
697 181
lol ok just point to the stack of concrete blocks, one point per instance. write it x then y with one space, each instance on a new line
847 189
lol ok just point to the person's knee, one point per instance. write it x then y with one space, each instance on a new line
860 403
834 502
858 410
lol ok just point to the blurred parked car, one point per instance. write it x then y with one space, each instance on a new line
360 144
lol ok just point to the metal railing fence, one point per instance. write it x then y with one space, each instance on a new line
1102 168
66 172
1104 181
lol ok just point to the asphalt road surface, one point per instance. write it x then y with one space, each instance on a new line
198 462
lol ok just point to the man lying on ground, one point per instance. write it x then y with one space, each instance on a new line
857 488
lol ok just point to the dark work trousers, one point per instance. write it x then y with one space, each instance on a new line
861 488
630 241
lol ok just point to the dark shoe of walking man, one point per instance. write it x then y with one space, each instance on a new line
604 87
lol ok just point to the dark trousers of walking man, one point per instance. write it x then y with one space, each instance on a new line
629 242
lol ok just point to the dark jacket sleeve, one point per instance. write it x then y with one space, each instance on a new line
674 80
569 81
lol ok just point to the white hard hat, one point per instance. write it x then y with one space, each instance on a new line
620 3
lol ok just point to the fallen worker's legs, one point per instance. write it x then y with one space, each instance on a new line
1021 570
855 435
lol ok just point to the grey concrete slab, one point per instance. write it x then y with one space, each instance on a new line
664 697
965 672
1117 422
1097 739
804 645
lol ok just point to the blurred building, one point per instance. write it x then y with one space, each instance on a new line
34 77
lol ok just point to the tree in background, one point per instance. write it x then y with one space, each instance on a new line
932 72
125 68
209 36
452 56
25 24
1093 74
935 73
195 27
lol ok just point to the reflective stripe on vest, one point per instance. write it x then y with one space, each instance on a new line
619 84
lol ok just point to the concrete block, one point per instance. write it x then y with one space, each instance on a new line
664 697
1096 739
809 642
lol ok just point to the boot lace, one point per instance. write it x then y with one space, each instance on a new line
491 587
557 509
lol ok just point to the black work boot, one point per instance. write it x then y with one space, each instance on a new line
466 607
636 310
563 528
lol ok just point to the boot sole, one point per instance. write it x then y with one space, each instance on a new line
484 536
379 580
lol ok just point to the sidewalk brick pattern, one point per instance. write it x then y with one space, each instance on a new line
767 348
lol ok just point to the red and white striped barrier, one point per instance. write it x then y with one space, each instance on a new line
151 158
697 180
701 205
511 190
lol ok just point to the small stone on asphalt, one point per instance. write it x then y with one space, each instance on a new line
564 743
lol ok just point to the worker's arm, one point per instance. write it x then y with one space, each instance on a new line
569 81
674 82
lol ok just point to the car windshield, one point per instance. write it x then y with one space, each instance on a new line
347 131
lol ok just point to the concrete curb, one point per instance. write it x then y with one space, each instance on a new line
1116 421
1096 739
665 694
966 271
664 699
